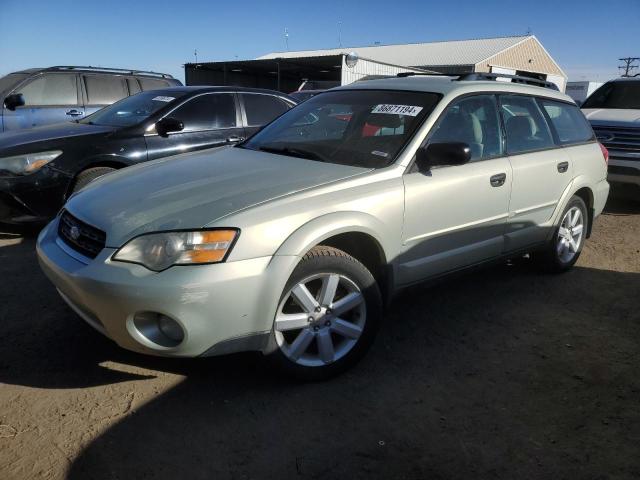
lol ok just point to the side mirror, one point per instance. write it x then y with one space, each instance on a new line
451 153
14 101
168 125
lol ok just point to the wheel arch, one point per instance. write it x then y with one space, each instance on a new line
95 162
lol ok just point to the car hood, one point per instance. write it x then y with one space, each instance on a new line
613 116
21 141
194 190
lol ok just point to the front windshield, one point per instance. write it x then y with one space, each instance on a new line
625 94
365 128
131 110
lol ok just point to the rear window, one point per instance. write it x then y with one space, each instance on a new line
568 122
526 127
261 109
104 89
624 94
152 83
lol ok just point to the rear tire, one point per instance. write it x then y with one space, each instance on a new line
564 248
328 316
87 176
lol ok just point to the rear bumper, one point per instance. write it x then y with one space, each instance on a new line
32 198
221 308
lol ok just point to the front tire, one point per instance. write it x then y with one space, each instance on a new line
328 315
89 175
564 248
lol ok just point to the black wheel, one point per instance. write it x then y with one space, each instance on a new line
86 176
563 250
328 315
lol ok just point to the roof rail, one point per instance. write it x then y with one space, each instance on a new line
427 74
109 70
514 79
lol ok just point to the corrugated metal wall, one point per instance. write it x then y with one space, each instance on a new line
366 67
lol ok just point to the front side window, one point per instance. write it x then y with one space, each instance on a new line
623 94
131 110
568 121
207 112
365 128
261 109
104 89
526 127
51 89
474 121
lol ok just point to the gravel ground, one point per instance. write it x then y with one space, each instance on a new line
504 373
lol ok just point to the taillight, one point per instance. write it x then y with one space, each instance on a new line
605 153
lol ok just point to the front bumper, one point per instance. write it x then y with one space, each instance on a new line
32 198
222 308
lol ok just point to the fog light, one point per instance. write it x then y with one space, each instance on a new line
159 329
170 328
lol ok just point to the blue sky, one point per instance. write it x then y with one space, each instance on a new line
585 37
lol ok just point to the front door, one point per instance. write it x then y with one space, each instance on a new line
210 120
455 215
49 98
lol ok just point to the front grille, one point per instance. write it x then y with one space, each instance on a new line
622 139
83 238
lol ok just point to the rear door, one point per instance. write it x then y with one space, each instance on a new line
210 120
49 98
258 109
541 170
455 215
101 90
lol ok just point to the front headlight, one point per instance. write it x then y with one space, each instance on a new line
28 162
159 251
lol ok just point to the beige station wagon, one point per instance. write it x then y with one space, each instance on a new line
291 242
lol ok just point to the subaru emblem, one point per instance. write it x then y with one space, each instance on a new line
75 232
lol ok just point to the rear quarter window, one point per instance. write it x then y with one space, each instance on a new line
152 83
568 121
104 89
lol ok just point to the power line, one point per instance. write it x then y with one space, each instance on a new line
628 66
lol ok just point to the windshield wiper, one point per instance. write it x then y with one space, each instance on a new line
293 152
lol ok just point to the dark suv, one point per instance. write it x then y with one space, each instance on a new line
41 167
41 96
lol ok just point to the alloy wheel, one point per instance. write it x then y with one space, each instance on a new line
570 234
320 319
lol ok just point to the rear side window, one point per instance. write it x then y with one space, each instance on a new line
207 112
474 121
51 89
261 109
152 83
526 127
104 89
568 122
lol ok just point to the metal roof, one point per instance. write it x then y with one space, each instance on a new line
457 52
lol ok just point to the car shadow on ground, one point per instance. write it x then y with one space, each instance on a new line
504 373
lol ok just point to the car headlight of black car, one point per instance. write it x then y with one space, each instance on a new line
28 162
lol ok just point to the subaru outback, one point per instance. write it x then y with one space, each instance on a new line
292 242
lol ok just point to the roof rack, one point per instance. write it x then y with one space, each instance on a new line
514 79
486 76
109 70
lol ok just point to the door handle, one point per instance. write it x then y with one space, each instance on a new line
498 179
563 167
74 113
234 139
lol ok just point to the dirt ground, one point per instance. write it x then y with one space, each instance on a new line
505 373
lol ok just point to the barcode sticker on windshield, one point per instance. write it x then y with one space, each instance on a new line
160 98
410 110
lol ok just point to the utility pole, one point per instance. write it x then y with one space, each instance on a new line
195 54
340 34
628 66
286 38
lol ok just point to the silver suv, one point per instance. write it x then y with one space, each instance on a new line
292 242
614 113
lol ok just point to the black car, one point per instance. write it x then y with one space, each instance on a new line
41 167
